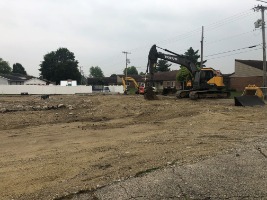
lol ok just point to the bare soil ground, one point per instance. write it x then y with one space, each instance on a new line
52 148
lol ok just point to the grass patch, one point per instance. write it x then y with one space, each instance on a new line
131 91
235 94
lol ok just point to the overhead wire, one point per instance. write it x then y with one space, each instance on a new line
192 33
234 54
229 37
249 47
198 30
230 19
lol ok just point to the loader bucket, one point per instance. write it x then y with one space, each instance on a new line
150 94
248 100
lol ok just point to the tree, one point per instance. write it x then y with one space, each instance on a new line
131 71
142 73
192 55
4 67
96 72
184 75
60 65
18 68
163 66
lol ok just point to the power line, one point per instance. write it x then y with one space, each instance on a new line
198 30
229 37
234 54
192 33
233 50
230 19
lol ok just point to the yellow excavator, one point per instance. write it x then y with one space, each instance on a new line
139 89
206 82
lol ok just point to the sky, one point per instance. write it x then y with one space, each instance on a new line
98 31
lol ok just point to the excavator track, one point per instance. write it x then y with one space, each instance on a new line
208 94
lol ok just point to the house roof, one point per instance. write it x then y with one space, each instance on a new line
158 76
253 63
166 76
136 77
16 77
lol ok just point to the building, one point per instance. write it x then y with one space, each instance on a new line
20 79
68 82
162 80
246 72
166 80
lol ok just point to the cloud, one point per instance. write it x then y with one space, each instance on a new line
97 31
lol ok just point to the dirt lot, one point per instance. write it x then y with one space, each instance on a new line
52 148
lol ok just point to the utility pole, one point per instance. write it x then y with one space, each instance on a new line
81 72
127 61
262 9
202 38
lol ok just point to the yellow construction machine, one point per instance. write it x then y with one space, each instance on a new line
253 90
139 89
252 96
206 82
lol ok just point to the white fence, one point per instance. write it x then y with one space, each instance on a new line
53 89
44 89
116 89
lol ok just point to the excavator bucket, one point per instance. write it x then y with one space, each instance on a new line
150 94
249 101
253 90
252 96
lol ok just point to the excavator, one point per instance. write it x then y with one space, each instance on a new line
139 89
206 82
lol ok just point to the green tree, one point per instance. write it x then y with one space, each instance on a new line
131 71
142 73
113 75
163 66
4 67
192 55
184 75
60 65
96 72
18 68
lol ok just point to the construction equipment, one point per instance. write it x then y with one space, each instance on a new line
252 96
139 89
206 82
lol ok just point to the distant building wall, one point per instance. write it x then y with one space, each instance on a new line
242 70
16 82
68 83
34 81
239 83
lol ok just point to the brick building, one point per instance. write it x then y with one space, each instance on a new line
246 72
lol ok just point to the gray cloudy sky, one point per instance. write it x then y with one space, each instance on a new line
97 31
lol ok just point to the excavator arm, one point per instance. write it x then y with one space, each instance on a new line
154 55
